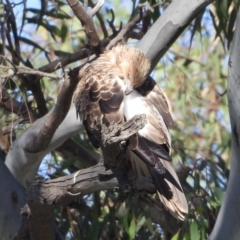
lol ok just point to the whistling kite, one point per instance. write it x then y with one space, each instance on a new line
115 88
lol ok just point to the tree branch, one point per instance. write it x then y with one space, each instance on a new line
168 28
63 61
42 139
227 224
88 25
125 29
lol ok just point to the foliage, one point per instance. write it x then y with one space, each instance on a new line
193 74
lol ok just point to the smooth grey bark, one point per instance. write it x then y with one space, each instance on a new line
168 28
12 199
24 165
228 221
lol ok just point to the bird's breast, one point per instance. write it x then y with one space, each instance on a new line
133 104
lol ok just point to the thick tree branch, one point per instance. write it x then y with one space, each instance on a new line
12 198
42 139
168 27
227 224
63 190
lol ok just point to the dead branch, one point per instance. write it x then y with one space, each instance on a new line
125 29
43 196
62 190
111 23
100 19
15 70
12 27
64 61
121 132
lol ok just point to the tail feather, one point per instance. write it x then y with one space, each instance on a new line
167 184
170 192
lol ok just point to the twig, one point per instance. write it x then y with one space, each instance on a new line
101 21
187 58
97 7
85 5
20 109
88 25
124 30
151 7
25 70
111 23
63 61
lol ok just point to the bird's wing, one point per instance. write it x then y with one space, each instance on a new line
154 139
98 99
152 92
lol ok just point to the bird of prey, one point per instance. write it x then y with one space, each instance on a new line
116 87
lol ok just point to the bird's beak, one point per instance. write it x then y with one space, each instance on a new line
129 88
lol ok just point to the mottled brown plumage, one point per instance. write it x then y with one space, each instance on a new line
115 88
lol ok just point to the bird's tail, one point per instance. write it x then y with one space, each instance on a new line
170 191
167 184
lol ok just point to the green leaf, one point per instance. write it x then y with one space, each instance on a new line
132 229
194 232
176 236
64 32
149 225
140 223
125 224
219 194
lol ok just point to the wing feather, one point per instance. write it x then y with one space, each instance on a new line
98 99
151 91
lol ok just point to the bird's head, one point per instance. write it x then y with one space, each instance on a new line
133 64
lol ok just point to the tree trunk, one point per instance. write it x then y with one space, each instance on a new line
228 221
